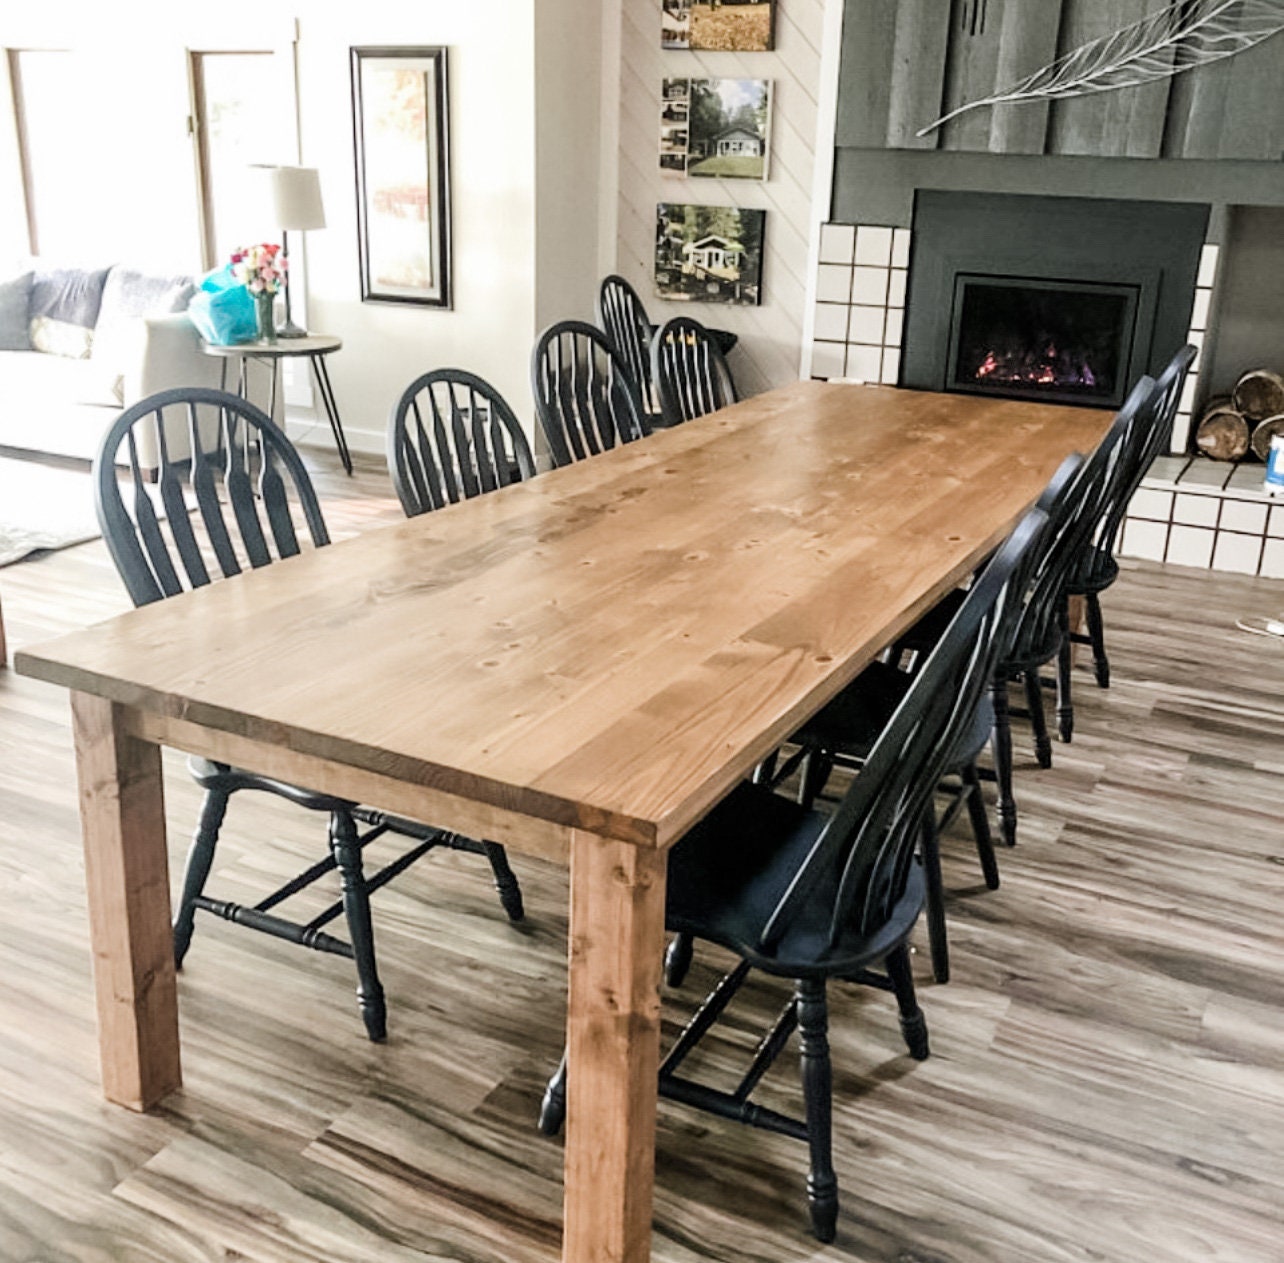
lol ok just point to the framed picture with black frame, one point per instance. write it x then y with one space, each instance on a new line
401 133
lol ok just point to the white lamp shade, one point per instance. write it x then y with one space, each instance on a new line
295 198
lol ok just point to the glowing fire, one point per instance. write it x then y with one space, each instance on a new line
1039 365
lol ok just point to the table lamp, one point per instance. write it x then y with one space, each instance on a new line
295 194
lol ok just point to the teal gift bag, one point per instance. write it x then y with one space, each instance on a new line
222 309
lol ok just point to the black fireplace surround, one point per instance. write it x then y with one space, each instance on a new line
1068 300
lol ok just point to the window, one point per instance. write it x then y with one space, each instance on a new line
238 121
55 150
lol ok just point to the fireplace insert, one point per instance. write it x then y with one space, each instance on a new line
1029 338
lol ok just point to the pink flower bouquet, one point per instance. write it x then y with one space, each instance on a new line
260 269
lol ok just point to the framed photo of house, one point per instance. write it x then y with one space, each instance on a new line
401 130
716 127
710 254
718 26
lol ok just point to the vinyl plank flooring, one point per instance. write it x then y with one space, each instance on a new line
1107 1078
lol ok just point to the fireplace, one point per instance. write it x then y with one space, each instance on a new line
1068 300
1061 341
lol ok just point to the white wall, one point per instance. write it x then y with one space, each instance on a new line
492 85
771 335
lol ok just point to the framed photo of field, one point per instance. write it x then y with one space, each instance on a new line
718 128
401 133
718 26
709 254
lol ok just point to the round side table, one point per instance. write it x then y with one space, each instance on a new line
316 346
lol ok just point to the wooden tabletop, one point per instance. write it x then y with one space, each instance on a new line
609 646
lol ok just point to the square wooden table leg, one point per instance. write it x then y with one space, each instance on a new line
613 1045
122 814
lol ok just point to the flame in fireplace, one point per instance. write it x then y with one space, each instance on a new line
1041 364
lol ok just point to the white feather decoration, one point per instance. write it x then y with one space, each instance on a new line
1180 37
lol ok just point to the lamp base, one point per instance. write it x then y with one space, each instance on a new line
291 330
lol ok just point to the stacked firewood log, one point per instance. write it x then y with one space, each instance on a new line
1244 421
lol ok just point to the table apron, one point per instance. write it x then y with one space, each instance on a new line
523 833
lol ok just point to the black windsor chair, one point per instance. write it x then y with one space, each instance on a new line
690 373
1042 626
1097 568
586 398
241 499
451 437
844 732
621 313
810 896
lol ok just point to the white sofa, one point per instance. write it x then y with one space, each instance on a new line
62 404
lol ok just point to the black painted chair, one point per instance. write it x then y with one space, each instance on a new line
452 436
689 370
810 896
1042 626
241 499
586 398
621 313
1096 568
845 731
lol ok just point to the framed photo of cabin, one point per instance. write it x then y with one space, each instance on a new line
718 128
709 254
401 131
718 26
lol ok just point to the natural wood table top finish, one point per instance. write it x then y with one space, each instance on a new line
610 646
579 665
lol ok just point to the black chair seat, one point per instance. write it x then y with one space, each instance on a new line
1096 575
210 775
727 876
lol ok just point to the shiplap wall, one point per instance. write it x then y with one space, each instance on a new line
770 349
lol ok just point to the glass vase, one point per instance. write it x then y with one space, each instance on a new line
264 309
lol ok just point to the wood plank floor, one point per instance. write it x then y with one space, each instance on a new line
1107 1078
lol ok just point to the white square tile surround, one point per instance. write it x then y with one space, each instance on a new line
860 301
1191 511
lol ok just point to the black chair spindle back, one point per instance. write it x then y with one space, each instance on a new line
690 372
871 837
241 482
586 398
621 313
1038 633
452 436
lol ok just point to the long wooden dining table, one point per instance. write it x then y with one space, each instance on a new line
578 666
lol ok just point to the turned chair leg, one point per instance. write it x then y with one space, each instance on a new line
1065 703
817 1082
552 1109
200 859
938 944
1097 634
1038 719
913 1023
356 905
510 893
980 825
677 959
1002 747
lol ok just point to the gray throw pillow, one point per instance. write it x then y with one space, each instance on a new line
64 309
15 296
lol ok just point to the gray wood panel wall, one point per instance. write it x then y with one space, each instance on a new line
907 62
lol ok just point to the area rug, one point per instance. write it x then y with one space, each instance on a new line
43 507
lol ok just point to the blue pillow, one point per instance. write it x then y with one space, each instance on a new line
15 296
